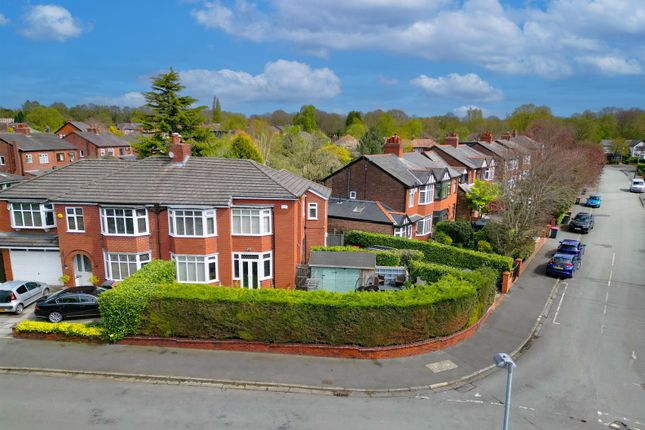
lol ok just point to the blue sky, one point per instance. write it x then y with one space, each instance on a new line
426 57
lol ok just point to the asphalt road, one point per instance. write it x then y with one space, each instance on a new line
584 372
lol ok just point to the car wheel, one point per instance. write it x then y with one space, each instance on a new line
55 317
45 292
19 308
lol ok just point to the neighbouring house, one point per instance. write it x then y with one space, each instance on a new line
637 148
407 183
71 126
94 144
422 145
6 124
26 154
348 142
342 272
345 215
8 179
222 221
130 128
507 161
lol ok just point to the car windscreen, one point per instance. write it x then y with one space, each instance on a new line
559 259
5 296
53 296
594 197
581 217
637 182
568 248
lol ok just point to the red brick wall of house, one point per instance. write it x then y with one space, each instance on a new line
346 225
89 150
315 230
370 183
463 210
6 152
53 162
66 129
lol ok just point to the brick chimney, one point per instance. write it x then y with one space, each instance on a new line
94 129
15 164
393 146
486 137
179 151
514 133
452 139
22 128
507 135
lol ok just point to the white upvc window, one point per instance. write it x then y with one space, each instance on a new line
192 222
102 152
124 221
32 215
72 156
251 222
264 264
488 173
426 194
409 231
111 151
43 158
75 222
29 159
60 156
200 269
81 154
352 195
119 266
312 211
424 226
399 231
2 161
411 193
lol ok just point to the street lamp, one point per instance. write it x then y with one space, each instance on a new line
504 360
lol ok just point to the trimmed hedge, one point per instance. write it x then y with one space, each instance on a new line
121 307
67 329
287 316
435 252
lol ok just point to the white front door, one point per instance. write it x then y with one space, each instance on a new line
36 265
82 270
249 271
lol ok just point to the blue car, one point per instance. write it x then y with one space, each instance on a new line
573 247
593 201
562 265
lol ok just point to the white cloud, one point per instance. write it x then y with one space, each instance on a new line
131 99
281 80
611 65
3 19
51 22
542 40
469 86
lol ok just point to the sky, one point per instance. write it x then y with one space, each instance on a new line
426 57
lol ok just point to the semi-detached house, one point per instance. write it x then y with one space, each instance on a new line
223 221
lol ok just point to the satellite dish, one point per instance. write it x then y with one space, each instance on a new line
171 154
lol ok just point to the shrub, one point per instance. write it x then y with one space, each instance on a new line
122 306
484 246
443 238
383 258
435 252
287 316
67 329
459 231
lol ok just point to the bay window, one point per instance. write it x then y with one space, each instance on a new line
32 215
119 266
192 222
424 226
425 194
442 191
251 222
124 222
196 268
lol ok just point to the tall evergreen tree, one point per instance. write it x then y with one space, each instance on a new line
217 110
371 142
170 113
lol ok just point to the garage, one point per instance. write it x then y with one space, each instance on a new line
36 265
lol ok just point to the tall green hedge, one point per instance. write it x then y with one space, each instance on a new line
435 252
395 257
287 316
121 307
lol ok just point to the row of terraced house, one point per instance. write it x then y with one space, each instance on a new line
227 222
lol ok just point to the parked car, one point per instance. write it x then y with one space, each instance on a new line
583 222
77 302
570 246
593 201
638 186
17 295
562 265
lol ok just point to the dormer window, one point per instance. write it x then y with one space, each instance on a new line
32 215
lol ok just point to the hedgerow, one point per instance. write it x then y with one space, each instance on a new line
67 329
287 316
394 257
121 307
435 252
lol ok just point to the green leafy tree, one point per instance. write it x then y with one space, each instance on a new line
412 129
481 194
352 117
170 112
234 121
217 110
44 118
342 154
243 146
357 129
523 115
306 118
19 117
385 124
371 142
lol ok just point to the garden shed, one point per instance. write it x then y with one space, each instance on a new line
342 271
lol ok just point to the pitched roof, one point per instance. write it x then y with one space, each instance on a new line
526 142
413 169
513 146
80 125
103 140
361 210
20 239
8 178
459 155
423 143
493 147
348 260
37 142
158 180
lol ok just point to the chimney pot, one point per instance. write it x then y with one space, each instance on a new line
180 150
486 137
393 146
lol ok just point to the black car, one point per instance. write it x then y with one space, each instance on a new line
79 302
582 222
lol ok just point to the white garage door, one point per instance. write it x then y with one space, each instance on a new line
36 265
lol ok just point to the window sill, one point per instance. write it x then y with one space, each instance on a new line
216 281
251 235
46 228
192 237
125 235
75 231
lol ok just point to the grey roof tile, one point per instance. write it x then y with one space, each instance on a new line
37 142
351 260
103 140
20 239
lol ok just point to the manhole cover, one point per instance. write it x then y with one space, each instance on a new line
465 388
441 366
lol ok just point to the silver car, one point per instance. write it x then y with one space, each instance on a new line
16 295
638 186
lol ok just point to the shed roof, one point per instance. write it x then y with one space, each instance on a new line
345 260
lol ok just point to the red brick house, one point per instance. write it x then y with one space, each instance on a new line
94 144
408 187
71 126
223 221
26 154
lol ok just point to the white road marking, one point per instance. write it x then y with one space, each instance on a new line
634 356
613 259
602 329
611 272
560 304
466 401
477 395
604 310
